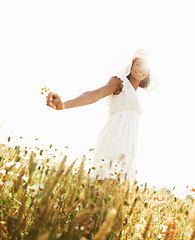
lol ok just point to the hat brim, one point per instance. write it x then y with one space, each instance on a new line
154 83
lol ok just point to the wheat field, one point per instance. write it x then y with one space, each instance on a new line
40 200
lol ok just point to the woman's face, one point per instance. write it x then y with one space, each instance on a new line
139 70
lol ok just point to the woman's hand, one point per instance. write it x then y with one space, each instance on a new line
54 101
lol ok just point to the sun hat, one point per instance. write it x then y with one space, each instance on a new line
143 54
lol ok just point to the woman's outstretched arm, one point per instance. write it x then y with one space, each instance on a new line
88 97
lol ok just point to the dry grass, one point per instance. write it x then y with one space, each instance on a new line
41 201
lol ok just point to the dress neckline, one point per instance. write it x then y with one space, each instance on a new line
130 84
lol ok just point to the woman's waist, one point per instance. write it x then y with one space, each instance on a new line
125 110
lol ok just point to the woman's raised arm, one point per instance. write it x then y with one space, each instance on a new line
88 97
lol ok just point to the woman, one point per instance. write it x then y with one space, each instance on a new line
115 150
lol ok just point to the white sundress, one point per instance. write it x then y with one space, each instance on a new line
115 149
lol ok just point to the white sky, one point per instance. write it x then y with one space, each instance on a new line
75 46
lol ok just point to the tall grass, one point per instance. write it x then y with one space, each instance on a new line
40 201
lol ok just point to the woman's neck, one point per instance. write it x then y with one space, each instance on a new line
135 83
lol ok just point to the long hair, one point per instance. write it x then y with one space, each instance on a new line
145 82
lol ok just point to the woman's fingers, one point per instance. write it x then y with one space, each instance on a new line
49 98
55 95
52 100
58 103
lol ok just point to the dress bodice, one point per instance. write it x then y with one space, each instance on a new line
126 100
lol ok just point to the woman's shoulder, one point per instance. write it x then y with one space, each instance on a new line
118 80
121 77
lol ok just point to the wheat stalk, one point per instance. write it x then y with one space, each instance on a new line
147 226
106 227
